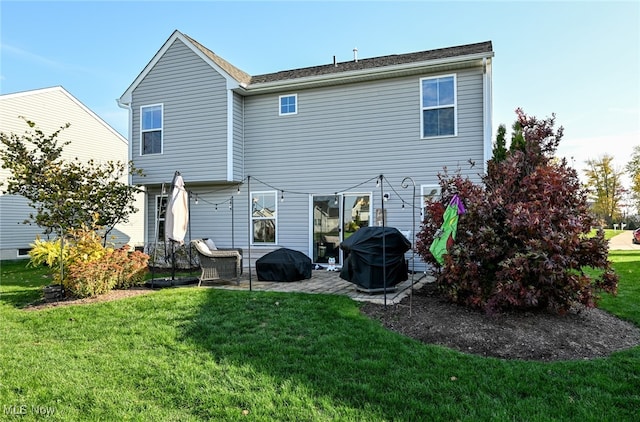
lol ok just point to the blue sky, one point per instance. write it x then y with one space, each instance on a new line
578 59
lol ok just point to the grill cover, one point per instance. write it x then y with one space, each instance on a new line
283 265
364 263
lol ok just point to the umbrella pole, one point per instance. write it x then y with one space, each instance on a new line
173 261
189 229
250 210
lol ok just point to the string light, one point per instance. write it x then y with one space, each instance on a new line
281 196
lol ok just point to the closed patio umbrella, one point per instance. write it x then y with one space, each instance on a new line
177 216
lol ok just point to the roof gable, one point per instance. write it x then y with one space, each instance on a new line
233 75
46 98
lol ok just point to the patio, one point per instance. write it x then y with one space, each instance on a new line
327 282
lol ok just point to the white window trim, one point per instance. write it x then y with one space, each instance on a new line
161 128
427 188
23 255
275 197
455 107
280 113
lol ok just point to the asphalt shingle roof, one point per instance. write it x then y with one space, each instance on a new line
361 64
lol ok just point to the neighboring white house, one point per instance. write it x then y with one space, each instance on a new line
292 158
91 138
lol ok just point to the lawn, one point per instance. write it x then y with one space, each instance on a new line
204 354
608 233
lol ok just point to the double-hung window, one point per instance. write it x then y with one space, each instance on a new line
288 104
264 214
151 129
438 97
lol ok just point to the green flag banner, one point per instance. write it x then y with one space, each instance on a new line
446 235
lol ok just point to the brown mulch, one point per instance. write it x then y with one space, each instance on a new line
537 336
112 295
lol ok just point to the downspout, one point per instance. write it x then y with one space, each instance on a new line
127 106
487 110
230 134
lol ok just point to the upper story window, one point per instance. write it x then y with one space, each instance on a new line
438 106
151 129
264 214
288 104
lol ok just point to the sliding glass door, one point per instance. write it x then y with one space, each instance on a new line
335 218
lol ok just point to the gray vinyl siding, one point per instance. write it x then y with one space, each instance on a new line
345 135
194 99
228 228
340 141
238 138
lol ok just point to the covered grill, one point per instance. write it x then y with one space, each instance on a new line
365 261
283 265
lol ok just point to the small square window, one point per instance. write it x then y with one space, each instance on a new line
288 104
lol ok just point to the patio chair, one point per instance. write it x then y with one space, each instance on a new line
218 263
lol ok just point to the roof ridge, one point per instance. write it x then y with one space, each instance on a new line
483 47
235 72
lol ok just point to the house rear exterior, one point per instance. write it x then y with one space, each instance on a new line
302 158
90 137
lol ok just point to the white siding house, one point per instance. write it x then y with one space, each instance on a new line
91 138
295 158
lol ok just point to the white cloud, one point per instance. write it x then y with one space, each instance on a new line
30 56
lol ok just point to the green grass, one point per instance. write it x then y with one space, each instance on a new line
608 233
190 354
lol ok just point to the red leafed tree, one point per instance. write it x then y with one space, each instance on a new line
523 242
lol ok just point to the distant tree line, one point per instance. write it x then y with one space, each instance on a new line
611 201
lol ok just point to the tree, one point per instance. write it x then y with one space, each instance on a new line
633 170
606 190
523 242
500 146
65 194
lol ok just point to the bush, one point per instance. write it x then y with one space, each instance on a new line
523 242
90 269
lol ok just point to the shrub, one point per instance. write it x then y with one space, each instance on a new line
90 268
523 241
131 267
